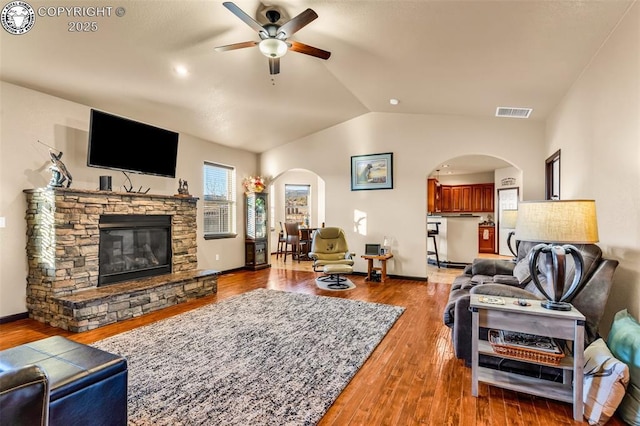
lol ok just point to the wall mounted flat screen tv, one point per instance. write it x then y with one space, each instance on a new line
122 144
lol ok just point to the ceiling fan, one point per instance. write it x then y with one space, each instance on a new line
274 43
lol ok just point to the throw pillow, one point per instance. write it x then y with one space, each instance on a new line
605 381
624 342
522 272
491 267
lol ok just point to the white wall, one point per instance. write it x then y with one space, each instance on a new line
597 127
29 116
419 144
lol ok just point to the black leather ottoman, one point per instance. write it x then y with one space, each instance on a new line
88 386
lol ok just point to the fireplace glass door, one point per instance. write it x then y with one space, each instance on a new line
134 246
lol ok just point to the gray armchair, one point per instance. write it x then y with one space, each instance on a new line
512 279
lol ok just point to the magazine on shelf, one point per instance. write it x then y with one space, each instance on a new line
529 341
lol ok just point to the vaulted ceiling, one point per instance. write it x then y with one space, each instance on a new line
435 57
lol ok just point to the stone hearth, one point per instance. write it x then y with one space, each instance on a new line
63 250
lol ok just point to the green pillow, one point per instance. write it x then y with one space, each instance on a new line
624 343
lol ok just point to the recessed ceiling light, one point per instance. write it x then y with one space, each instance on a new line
394 101
444 166
181 70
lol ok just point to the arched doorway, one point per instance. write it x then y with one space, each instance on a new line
462 197
285 205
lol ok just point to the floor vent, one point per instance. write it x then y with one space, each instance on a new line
513 112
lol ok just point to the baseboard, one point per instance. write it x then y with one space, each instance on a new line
234 270
14 317
397 277
454 265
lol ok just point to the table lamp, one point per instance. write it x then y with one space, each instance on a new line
509 220
557 225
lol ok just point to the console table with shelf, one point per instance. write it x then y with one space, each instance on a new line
532 319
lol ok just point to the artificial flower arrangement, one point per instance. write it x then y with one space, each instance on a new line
254 184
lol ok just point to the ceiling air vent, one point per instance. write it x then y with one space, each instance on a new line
513 112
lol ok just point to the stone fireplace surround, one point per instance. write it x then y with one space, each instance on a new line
63 249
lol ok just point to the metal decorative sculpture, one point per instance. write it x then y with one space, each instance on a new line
554 257
183 187
59 172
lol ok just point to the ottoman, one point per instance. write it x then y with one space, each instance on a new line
332 275
88 386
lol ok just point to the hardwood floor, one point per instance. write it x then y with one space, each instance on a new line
411 378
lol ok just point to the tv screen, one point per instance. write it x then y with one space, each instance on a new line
130 146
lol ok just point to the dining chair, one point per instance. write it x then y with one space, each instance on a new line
306 235
292 239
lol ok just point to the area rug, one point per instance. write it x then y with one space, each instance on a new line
345 284
264 357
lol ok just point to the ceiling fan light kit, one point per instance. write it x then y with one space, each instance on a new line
274 44
273 47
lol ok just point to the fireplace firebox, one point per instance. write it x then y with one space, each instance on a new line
133 246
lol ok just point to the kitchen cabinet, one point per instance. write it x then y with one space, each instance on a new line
476 198
434 203
486 239
488 198
445 196
482 197
456 198
467 198
465 202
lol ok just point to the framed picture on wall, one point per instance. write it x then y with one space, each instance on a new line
374 171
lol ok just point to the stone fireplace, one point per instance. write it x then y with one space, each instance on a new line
98 257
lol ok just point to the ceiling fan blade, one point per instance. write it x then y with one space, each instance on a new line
295 24
245 18
235 46
274 66
308 50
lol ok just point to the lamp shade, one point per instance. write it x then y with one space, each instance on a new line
273 47
562 221
509 218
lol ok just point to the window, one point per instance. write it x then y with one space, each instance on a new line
296 198
219 201
552 177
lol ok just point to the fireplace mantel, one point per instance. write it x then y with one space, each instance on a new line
63 246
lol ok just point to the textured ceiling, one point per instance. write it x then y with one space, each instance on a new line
436 57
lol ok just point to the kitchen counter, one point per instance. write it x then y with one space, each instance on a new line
457 238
